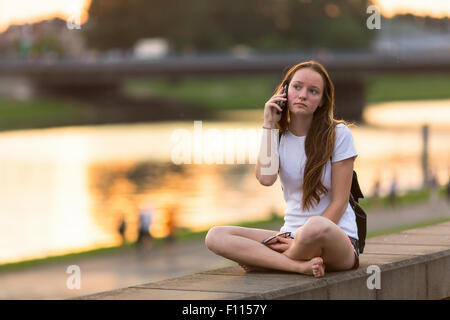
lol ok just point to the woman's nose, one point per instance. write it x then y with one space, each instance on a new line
302 93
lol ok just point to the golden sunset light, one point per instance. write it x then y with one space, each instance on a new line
30 11
434 8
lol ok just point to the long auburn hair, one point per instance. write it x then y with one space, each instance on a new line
319 143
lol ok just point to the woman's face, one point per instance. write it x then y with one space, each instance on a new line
305 92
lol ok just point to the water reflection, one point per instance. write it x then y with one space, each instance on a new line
65 189
410 114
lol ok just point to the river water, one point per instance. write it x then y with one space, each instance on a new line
65 190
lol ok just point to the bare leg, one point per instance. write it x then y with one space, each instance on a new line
243 245
320 237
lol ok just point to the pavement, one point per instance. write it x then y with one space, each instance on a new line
133 268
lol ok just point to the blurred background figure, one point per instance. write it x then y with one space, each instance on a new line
171 224
447 191
376 191
433 186
122 227
393 191
145 219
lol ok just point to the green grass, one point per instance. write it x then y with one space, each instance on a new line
251 92
407 227
408 198
39 113
394 87
215 93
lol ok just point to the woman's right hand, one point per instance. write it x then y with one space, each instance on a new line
281 245
271 107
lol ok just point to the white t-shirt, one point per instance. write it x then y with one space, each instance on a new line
292 165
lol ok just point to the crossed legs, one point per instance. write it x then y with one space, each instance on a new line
317 244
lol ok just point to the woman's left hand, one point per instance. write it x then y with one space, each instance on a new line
281 245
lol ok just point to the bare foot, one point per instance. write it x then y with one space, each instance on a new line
318 267
313 267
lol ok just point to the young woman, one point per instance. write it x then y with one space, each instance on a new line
314 159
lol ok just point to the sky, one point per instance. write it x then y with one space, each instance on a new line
434 8
30 11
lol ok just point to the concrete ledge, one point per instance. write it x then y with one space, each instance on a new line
414 264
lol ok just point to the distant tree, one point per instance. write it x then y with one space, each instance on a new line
208 25
48 44
442 24
114 23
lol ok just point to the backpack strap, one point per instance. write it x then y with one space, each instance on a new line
279 141
356 190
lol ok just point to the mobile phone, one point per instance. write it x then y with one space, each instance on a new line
283 104
281 234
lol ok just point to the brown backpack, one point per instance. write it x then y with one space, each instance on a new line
361 216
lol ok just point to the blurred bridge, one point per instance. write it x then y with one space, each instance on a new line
104 77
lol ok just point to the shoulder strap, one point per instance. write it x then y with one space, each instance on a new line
279 140
356 190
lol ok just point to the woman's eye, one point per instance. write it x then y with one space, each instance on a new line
313 91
